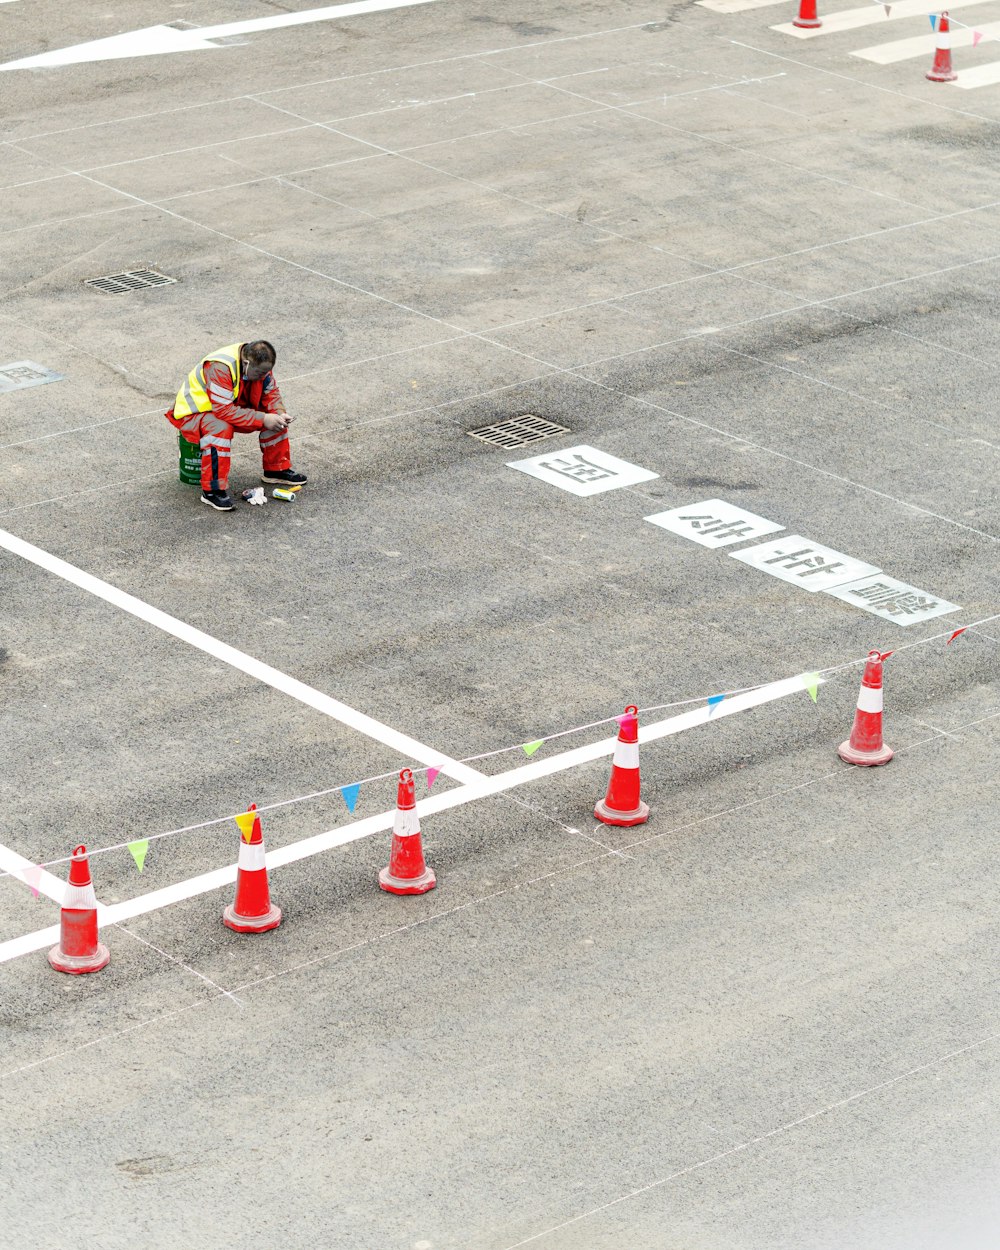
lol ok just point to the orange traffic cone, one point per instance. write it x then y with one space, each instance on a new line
807 15
622 805
79 950
941 70
251 912
407 873
865 745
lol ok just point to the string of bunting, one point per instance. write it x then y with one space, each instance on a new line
934 18
139 847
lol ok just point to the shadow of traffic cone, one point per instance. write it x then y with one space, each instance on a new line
79 950
251 911
865 745
807 18
941 70
407 873
622 805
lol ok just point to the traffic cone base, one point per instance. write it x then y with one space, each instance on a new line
402 885
251 924
807 18
610 817
851 755
77 964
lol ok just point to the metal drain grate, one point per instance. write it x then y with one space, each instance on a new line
518 431
132 280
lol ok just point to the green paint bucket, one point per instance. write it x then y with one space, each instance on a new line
190 463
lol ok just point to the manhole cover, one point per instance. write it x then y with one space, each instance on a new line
132 280
518 431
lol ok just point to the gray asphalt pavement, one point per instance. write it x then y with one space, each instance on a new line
760 268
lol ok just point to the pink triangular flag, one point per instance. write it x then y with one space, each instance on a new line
976 36
33 877
432 776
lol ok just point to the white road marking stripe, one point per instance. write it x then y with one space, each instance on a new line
737 6
47 884
870 15
922 45
482 788
240 660
160 40
978 76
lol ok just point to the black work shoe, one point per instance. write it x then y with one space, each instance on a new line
218 499
284 477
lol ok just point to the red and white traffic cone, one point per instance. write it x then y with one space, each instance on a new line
865 745
807 15
941 70
79 950
407 873
622 805
252 911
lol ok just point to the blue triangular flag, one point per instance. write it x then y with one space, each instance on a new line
713 702
350 794
933 21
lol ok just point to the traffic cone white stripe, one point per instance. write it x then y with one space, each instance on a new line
626 754
944 41
79 897
870 700
251 857
405 823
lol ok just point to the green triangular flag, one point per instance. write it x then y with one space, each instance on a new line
139 850
811 683
529 748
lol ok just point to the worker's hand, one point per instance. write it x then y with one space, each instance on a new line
275 421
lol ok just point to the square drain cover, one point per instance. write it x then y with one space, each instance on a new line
518 431
132 280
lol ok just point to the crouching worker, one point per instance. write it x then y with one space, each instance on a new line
233 389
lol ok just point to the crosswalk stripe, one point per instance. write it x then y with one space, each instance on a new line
921 45
978 76
851 19
734 6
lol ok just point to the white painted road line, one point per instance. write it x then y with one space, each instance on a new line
240 660
923 45
978 76
46 884
737 6
870 15
484 787
158 40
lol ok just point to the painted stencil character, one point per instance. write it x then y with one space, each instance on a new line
233 390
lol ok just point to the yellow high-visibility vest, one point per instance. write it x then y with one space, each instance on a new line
193 395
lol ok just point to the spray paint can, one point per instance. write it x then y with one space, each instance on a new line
287 495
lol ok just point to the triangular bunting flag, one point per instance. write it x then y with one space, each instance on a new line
811 683
245 822
713 702
888 9
976 36
955 635
432 776
529 748
33 877
350 794
884 655
139 850
933 21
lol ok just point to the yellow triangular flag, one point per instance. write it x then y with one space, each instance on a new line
529 748
811 683
245 823
139 850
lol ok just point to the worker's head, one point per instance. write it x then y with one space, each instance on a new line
257 359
